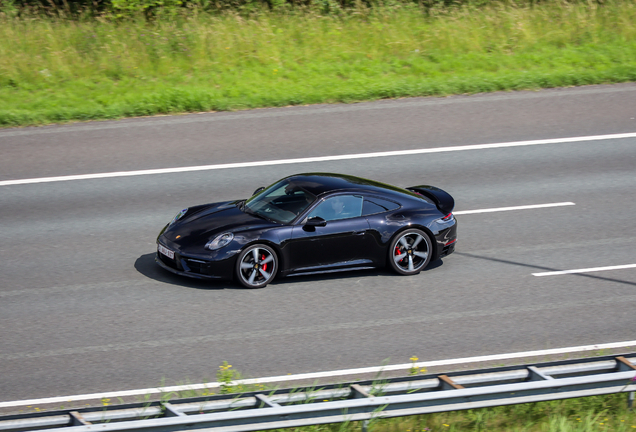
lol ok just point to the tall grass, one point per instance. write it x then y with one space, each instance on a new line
54 69
591 414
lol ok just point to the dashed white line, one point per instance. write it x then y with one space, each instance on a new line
316 159
307 376
585 270
523 207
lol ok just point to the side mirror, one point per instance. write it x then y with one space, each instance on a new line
260 189
316 221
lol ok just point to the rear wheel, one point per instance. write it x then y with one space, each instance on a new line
410 251
256 266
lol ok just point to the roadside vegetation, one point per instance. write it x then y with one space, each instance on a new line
591 414
130 60
597 413
608 413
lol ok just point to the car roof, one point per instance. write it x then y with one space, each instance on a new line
322 183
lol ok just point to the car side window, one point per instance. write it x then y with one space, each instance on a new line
374 205
338 207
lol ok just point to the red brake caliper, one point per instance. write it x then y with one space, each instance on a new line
264 267
397 251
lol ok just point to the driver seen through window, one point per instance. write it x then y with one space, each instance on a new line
338 207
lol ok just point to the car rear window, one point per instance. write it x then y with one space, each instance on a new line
374 205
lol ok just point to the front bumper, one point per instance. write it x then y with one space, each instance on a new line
195 267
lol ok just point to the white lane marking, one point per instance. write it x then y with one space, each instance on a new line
585 270
524 207
307 376
315 159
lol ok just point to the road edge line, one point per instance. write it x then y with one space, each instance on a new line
337 373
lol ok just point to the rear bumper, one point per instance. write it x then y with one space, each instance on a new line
446 239
448 249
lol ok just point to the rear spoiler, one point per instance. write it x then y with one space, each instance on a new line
442 199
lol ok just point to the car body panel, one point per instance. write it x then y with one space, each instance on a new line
337 242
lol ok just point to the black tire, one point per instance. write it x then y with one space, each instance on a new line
410 251
256 266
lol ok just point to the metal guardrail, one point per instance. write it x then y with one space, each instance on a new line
361 401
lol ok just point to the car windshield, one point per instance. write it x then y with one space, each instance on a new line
281 202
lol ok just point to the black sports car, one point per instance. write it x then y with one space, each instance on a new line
310 223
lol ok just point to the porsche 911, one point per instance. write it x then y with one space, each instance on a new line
310 223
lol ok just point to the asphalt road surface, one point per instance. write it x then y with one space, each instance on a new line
83 307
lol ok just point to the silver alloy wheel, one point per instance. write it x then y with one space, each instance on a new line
410 252
256 266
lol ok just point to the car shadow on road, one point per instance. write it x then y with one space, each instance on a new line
546 269
147 266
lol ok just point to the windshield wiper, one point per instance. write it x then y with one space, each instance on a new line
264 217
249 211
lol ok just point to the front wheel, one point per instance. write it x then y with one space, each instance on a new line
256 266
410 251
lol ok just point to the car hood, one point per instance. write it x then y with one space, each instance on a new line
202 223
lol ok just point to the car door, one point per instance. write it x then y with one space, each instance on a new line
342 241
376 211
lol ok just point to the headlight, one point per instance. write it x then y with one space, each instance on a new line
178 216
219 241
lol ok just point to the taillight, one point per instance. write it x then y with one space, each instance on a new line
448 217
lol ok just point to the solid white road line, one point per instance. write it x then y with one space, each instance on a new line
316 159
306 376
502 209
585 270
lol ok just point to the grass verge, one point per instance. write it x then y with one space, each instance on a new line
57 70
597 413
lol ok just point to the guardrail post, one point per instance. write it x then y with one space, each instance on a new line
625 365
78 420
171 411
264 401
448 384
537 375
357 392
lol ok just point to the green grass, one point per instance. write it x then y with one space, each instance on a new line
57 70
597 413
608 413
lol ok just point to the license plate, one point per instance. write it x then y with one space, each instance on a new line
167 252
